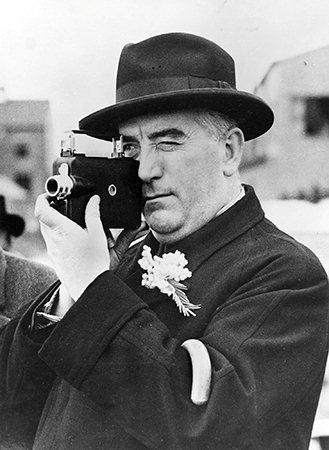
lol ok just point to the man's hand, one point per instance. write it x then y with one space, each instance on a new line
78 255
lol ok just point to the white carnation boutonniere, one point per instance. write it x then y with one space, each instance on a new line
166 273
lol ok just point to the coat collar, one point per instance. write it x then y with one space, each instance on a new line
221 230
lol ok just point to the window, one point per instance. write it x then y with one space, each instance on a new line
21 150
316 118
24 180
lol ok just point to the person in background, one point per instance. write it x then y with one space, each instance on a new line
21 280
11 225
212 332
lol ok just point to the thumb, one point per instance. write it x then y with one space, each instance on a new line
46 214
92 215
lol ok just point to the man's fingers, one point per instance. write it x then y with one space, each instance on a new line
46 214
92 215
44 231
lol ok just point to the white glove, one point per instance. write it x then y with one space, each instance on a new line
78 255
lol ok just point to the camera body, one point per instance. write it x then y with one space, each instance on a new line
76 177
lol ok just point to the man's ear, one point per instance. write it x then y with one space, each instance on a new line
234 143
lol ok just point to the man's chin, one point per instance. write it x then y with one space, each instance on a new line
162 222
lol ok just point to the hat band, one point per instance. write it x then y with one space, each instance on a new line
169 84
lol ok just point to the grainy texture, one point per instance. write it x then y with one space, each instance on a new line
118 377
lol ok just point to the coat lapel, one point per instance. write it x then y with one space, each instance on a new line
198 246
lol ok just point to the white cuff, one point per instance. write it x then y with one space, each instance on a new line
201 370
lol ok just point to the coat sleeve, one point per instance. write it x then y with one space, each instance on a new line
25 380
267 346
25 280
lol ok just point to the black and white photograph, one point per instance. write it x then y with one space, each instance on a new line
164 224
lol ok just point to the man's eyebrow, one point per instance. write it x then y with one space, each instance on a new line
167 132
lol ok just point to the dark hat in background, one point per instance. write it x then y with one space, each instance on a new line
178 71
11 223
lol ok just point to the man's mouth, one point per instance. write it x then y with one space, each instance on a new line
155 197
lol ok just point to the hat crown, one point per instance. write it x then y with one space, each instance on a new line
177 72
172 56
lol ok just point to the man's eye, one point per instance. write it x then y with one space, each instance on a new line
167 146
130 150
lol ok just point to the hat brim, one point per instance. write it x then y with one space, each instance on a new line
251 113
13 224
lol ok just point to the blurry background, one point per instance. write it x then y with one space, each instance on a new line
58 64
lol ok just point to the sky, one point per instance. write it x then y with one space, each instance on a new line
66 51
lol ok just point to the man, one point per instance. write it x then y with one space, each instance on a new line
212 331
21 281
10 225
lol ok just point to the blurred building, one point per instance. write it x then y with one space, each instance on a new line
292 159
24 136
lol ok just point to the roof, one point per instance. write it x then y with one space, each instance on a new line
304 55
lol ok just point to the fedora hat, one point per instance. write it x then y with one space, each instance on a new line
178 71
11 223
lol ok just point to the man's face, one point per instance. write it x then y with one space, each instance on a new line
181 166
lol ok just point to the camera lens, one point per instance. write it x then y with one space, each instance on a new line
52 186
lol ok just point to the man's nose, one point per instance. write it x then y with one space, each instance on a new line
150 165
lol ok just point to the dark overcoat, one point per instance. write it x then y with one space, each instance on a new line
113 374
